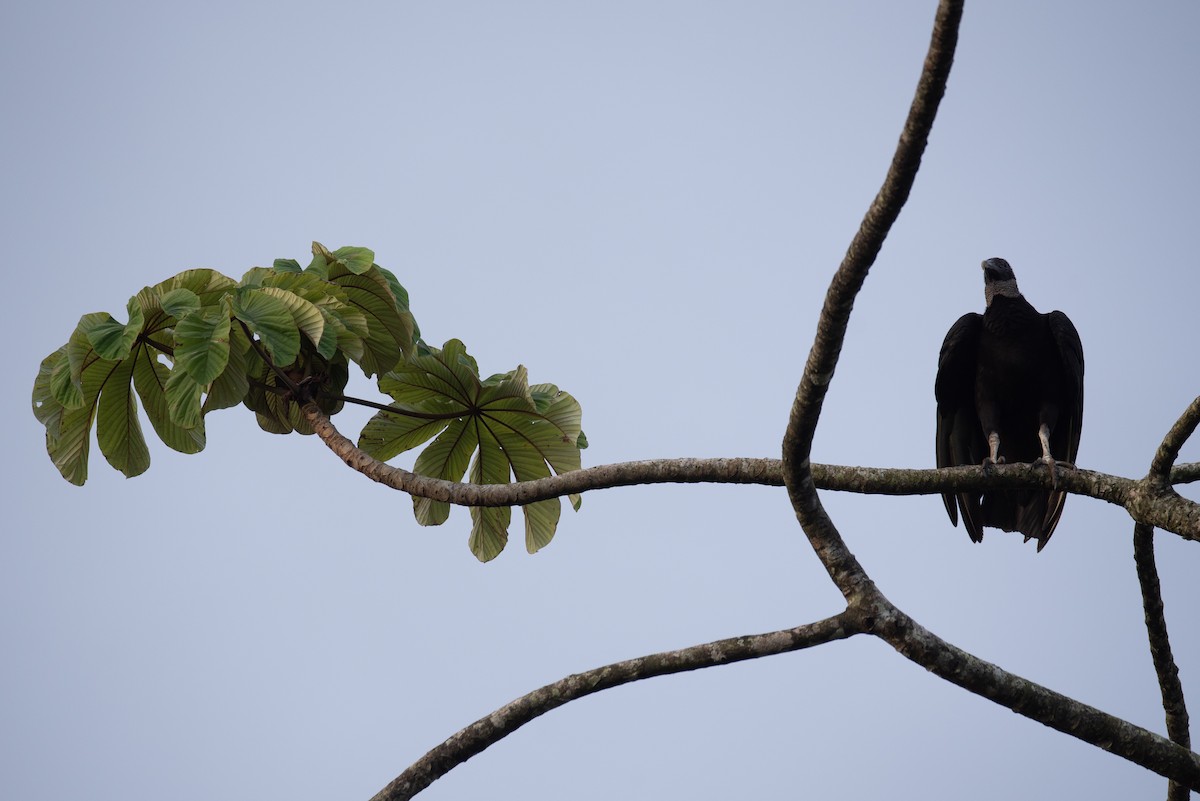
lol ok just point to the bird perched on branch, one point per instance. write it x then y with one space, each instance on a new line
1009 389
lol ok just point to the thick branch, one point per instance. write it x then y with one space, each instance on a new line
504 721
1034 701
843 568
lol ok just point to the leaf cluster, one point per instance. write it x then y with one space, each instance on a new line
285 335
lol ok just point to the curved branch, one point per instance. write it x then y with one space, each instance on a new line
1169 512
1034 701
1158 480
510 717
1174 703
839 562
1168 451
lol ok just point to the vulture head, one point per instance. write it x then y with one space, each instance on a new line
998 279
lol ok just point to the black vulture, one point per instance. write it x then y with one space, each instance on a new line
1009 389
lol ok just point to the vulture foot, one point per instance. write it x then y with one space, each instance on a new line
1056 468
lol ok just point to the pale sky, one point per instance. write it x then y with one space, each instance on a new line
643 203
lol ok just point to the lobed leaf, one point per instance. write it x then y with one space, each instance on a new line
183 357
509 426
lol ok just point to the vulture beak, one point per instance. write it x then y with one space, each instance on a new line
995 270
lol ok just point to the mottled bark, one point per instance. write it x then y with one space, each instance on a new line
1159 482
1170 513
510 717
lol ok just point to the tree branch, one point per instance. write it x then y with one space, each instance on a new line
839 562
1168 451
504 721
1174 703
867 608
1185 473
1171 688
861 594
1171 512
1032 700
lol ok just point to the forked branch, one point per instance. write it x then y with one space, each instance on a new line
867 608
895 627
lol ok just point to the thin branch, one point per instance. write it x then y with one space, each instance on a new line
504 721
840 563
1168 451
1171 688
1185 473
1171 513
1034 701
1174 703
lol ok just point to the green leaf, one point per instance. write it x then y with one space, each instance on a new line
489 524
80 352
46 407
62 386
113 340
184 357
202 345
117 428
342 327
150 378
162 303
256 275
356 260
270 318
69 441
388 435
183 399
510 427
263 399
179 302
305 315
230 387
447 457
389 330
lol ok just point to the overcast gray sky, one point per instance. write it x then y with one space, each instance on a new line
642 202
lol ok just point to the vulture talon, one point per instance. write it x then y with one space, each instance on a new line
1051 465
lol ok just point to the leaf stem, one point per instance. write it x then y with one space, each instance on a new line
395 410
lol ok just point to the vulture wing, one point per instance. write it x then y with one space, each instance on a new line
960 437
1070 353
1064 439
